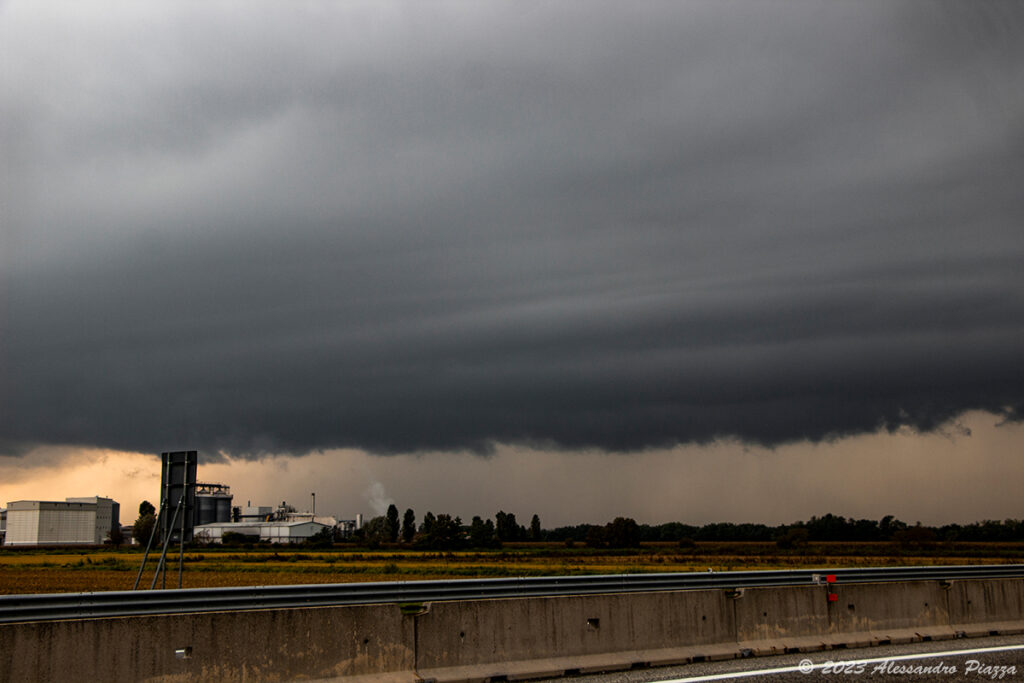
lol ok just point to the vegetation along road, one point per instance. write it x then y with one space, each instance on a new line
40 570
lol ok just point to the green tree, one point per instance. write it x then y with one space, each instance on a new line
595 536
392 523
408 525
235 538
428 523
321 539
115 536
481 534
535 528
889 525
623 532
507 528
376 531
491 533
445 533
914 537
143 527
792 537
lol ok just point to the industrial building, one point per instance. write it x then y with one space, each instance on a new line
295 531
347 527
190 510
262 517
253 514
282 524
86 521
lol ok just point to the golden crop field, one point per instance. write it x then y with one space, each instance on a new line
56 571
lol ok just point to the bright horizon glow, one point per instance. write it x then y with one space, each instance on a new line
954 478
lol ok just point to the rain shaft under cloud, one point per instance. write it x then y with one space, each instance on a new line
585 225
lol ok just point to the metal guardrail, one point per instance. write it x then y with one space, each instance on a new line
56 606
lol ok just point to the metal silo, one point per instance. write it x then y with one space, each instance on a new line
223 508
213 503
206 508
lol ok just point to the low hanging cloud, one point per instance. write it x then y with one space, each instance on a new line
578 226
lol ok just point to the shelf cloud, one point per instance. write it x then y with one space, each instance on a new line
587 225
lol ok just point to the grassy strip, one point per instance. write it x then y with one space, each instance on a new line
104 569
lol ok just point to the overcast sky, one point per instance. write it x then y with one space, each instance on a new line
271 229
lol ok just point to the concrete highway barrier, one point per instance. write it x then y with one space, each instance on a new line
484 639
979 608
507 638
244 646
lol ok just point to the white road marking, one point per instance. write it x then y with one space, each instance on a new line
851 662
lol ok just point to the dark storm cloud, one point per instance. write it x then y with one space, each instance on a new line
404 229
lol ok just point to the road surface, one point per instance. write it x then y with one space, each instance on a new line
999 658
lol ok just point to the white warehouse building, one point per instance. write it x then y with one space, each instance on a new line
86 521
273 532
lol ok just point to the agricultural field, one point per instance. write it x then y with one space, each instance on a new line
99 569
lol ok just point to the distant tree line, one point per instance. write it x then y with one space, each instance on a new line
442 531
445 532
826 528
